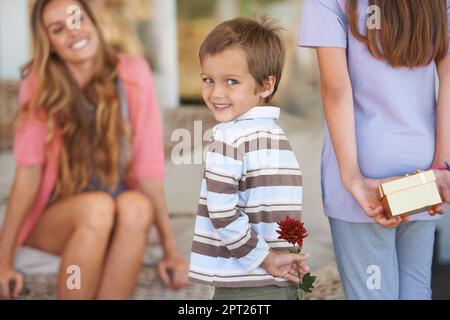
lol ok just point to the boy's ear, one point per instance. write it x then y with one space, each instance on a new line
268 86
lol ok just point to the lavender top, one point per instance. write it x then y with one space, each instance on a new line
395 108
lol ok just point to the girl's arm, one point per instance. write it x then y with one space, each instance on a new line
172 261
442 153
22 196
337 97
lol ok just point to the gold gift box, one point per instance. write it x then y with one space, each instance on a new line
410 195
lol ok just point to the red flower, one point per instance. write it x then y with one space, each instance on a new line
292 230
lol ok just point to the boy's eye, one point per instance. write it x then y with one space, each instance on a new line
208 80
231 82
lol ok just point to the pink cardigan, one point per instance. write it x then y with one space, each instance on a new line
147 146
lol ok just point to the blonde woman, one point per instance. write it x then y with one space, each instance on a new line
90 165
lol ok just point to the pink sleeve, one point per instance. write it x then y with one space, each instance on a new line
31 132
148 143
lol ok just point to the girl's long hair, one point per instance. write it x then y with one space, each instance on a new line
413 33
87 150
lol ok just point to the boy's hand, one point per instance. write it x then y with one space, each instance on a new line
365 192
286 265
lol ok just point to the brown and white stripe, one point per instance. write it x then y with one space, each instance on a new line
241 202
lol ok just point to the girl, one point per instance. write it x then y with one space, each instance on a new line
90 163
378 90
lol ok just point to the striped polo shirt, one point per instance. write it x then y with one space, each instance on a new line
251 181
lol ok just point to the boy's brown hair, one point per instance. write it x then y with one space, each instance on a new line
260 41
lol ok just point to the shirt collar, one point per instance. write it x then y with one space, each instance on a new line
260 113
266 112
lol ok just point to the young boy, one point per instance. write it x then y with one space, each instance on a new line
252 179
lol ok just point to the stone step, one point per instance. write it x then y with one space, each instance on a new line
150 287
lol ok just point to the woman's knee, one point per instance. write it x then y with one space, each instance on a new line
134 211
97 212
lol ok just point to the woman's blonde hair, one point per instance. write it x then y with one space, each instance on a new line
86 151
413 32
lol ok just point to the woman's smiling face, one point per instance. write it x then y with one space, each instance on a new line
72 45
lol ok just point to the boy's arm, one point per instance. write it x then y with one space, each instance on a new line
224 169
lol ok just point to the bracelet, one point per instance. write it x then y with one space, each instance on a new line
446 167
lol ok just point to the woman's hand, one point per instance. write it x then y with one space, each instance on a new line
365 192
23 194
8 277
173 270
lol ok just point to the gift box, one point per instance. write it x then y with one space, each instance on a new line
410 195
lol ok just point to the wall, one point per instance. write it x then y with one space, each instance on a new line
14 37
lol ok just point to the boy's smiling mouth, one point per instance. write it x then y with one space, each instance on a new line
221 107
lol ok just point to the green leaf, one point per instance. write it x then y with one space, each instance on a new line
308 282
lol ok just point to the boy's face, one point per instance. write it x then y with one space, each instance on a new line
228 88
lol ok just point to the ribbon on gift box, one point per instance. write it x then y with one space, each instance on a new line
446 167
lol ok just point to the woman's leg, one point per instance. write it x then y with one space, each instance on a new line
367 260
135 215
415 242
78 229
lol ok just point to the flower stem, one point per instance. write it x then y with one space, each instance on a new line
300 293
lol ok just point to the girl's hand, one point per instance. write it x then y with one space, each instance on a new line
9 276
443 183
173 270
365 192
